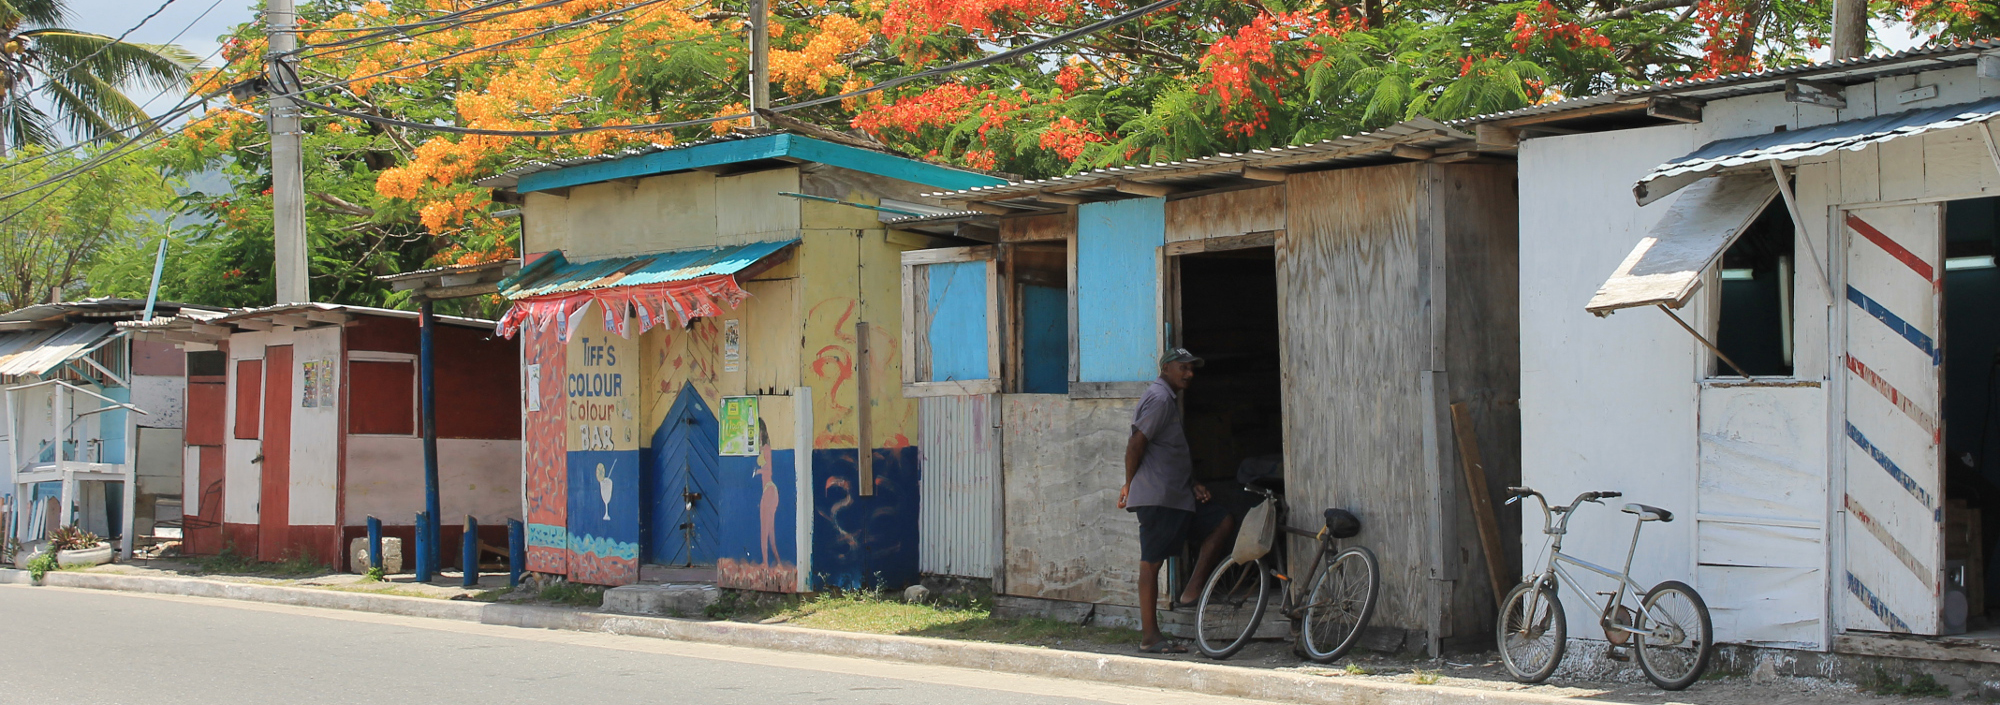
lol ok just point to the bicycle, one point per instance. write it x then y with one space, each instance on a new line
1341 599
1674 635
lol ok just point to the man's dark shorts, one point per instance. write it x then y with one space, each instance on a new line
1164 530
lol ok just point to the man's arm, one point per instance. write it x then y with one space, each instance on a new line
1135 449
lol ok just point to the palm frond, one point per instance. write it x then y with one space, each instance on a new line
118 63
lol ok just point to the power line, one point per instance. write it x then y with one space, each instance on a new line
1065 37
450 22
119 40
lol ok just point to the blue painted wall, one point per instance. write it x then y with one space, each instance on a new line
1117 289
1044 340
603 549
684 457
865 542
958 321
749 558
111 426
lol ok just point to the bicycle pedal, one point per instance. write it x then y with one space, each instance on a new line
1618 653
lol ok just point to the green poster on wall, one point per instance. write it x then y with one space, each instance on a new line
739 426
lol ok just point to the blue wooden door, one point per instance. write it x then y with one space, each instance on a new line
682 491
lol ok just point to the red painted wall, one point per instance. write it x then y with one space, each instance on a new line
478 385
158 358
382 398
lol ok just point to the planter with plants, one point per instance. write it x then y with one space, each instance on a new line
76 548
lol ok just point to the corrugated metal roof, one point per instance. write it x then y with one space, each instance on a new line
1810 142
449 269
32 353
1928 58
554 274
96 307
1368 147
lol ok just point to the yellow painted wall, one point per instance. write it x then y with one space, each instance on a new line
851 276
663 213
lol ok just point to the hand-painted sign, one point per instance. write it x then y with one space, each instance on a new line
601 390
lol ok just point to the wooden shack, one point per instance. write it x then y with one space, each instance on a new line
303 422
1347 295
708 334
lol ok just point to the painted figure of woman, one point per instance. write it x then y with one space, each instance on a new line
768 507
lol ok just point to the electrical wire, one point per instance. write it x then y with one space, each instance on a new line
1039 45
384 37
119 40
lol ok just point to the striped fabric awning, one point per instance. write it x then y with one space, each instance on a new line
681 286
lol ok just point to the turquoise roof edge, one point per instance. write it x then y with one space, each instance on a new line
754 148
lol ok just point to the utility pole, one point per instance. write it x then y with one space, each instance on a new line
1850 29
760 59
288 185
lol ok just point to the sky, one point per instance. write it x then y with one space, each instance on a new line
196 23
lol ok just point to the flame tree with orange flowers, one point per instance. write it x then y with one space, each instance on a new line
1199 77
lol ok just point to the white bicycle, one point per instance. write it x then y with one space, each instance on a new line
1670 632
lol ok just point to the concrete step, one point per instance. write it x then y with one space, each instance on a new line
662 599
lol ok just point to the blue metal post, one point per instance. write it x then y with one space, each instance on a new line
427 391
469 552
423 548
517 552
374 543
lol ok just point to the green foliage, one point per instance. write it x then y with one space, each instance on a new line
1422 677
72 538
1922 685
60 77
572 594
52 237
374 575
41 564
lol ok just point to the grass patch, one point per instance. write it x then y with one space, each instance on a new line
229 562
374 575
572 594
380 589
492 595
878 613
1919 686
1422 677
1355 669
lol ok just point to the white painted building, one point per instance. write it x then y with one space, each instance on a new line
1832 496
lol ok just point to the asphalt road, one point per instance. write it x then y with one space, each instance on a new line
61 645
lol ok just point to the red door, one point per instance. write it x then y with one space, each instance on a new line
274 507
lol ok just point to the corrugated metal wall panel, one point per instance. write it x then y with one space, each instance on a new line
960 486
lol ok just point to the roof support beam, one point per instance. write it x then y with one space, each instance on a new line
212 330
1675 109
291 319
1139 188
1253 173
328 317
1410 151
252 324
1058 198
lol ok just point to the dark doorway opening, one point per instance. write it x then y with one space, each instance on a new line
1228 315
1971 333
1754 327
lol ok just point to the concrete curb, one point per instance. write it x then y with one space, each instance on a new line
11 576
1205 678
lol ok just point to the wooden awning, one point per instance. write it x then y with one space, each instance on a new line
1665 268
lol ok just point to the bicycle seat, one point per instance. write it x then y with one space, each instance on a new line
1649 512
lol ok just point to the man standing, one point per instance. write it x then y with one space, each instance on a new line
1172 508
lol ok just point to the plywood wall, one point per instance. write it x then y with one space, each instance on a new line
1226 214
1066 538
1356 333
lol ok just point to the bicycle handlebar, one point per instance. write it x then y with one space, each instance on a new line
1548 512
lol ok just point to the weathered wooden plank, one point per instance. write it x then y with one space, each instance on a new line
1038 228
948 254
1667 264
954 388
1860 175
1107 390
1226 214
1476 493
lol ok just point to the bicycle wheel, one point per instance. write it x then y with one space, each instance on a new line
1231 606
1533 631
1339 605
1674 660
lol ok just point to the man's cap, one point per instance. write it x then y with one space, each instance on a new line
1179 355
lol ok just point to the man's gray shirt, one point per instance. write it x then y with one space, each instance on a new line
1166 472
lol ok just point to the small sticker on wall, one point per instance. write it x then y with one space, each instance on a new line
732 346
533 388
739 426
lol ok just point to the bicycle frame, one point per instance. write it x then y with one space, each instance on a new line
1275 560
1613 600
